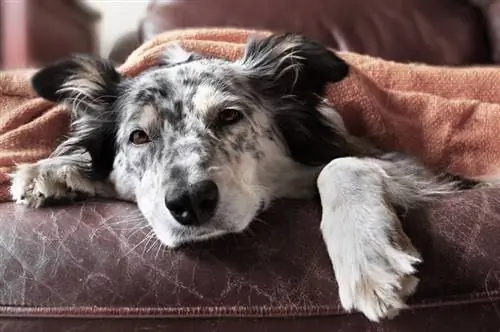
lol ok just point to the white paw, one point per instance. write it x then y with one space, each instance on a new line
35 185
373 259
379 285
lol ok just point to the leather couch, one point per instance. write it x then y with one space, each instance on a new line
93 267
444 32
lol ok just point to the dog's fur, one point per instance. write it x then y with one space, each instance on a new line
280 140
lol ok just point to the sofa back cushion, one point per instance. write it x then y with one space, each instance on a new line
444 32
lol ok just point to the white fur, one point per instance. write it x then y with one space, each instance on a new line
372 258
57 178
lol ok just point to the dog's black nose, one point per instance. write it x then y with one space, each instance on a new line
195 205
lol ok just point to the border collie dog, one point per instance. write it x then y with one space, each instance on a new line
202 145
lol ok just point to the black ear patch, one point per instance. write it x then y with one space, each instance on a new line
96 74
291 63
310 138
47 81
292 72
90 87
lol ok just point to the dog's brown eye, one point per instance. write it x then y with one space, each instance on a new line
229 116
139 137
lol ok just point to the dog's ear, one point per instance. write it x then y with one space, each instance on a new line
89 87
174 54
90 80
292 64
293 72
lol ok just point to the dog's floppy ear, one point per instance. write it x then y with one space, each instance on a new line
93 81
293 72
293 64
174 54
89 87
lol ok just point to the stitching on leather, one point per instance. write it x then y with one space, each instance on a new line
221 311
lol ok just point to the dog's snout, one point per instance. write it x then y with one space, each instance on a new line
194 206
205 196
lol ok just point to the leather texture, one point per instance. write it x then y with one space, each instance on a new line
491 12
444 32
460 318
94 261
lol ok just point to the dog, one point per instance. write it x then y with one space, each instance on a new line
203 145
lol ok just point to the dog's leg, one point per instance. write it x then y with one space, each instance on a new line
55 179
372 257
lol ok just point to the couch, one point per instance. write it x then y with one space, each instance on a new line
94 267
35 33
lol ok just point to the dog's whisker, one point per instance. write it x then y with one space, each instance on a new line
135 247
160 247
136 232
261 221
249 232
139 219
124 227
150 244
129 222
147 247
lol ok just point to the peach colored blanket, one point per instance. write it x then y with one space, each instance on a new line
449 117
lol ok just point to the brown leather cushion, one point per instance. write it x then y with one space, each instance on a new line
447 32
93 260
491 12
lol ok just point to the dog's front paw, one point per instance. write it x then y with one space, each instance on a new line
380 285
375 265
34 185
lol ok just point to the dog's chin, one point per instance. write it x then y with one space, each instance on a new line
202 237
178 237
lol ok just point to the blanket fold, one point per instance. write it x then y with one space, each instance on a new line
447 117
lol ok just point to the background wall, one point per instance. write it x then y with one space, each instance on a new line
118 18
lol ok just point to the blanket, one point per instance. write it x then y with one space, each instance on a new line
448 117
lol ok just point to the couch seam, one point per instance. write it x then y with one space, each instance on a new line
216 311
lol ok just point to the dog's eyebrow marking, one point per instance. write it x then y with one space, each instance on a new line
207 100
205 97
147 117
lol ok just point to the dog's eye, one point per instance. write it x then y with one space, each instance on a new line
229 116
139 137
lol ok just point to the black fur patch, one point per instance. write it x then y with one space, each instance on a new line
291 65
94 119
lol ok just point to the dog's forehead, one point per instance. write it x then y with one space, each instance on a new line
192 87
180 80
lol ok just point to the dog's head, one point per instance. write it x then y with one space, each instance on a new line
202 144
